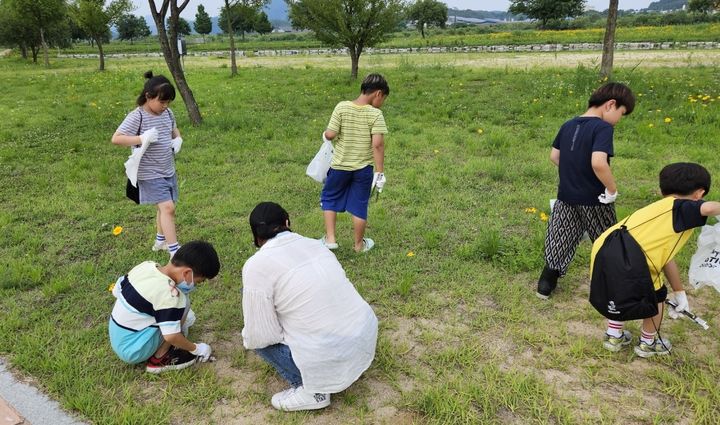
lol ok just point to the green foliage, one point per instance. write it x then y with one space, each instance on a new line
131 27
547 10
95 19
427 13
30 23
203 23
703 6
244 16
183 26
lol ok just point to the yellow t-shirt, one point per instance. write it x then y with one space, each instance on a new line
355 125
661 229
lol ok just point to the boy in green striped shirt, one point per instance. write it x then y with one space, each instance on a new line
357 129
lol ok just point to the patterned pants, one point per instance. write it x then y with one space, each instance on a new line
566 227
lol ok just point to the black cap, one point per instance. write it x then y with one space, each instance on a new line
267 220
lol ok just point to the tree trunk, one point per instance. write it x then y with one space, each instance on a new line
233 62
46 55
606 64
422 30
102 55
172 56
354 60
35 50
23 51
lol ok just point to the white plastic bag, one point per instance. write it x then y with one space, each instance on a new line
320 164
705 263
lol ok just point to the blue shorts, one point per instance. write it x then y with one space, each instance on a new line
155 191
347 191
134 346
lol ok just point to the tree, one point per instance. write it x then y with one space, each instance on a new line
547 10
355 24
95 19
203 23
183 26
131 27
168 44
606 64
703 6
428 13
42 21
239 15
262 24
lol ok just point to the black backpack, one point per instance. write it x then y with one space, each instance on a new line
621 287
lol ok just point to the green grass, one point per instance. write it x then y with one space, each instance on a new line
463 338
478 36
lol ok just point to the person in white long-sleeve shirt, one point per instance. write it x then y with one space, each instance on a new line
302 315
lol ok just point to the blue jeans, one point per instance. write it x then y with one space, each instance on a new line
280 357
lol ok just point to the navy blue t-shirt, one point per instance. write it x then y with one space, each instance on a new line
577 140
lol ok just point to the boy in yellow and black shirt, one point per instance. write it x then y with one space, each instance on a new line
662 229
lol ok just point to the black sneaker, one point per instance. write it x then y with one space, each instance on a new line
174 359
547 283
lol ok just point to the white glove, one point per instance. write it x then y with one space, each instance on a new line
325 139
378 181
176 144
149 136
607 197
202 351
681 301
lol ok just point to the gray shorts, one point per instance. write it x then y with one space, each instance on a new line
155 191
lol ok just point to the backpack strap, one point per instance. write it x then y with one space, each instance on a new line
139 129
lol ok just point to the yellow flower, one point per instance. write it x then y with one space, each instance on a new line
436 151
668 120
111 287
544 217
410 254
640 95
706 97
570 92
658 110
117 230
693 100
480 131
651 125
531 210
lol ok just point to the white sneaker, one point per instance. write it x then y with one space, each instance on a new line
294 399
160 246
328 245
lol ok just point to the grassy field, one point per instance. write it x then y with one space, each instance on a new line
479 36
463 339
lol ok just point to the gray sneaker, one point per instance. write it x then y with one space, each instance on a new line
657 348
615 344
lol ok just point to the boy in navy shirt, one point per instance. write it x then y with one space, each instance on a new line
587 190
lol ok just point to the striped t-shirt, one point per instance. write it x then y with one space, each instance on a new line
146 297
355 125
158 160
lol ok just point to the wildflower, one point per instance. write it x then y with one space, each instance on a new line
436 151
117 230
640 95
668 120
93 104
651 125
410 254
111 287
706 97
693 100
531 210
480 131
544 217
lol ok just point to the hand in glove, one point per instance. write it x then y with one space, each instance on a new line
378 181
607 197
150 136
176 144
681 302
202 351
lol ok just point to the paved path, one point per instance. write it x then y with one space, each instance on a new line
23 404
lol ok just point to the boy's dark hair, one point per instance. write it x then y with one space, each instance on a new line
374 82
200 256
158 86
619 92
267 220
684 178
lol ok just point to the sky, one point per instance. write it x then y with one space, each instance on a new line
213 6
